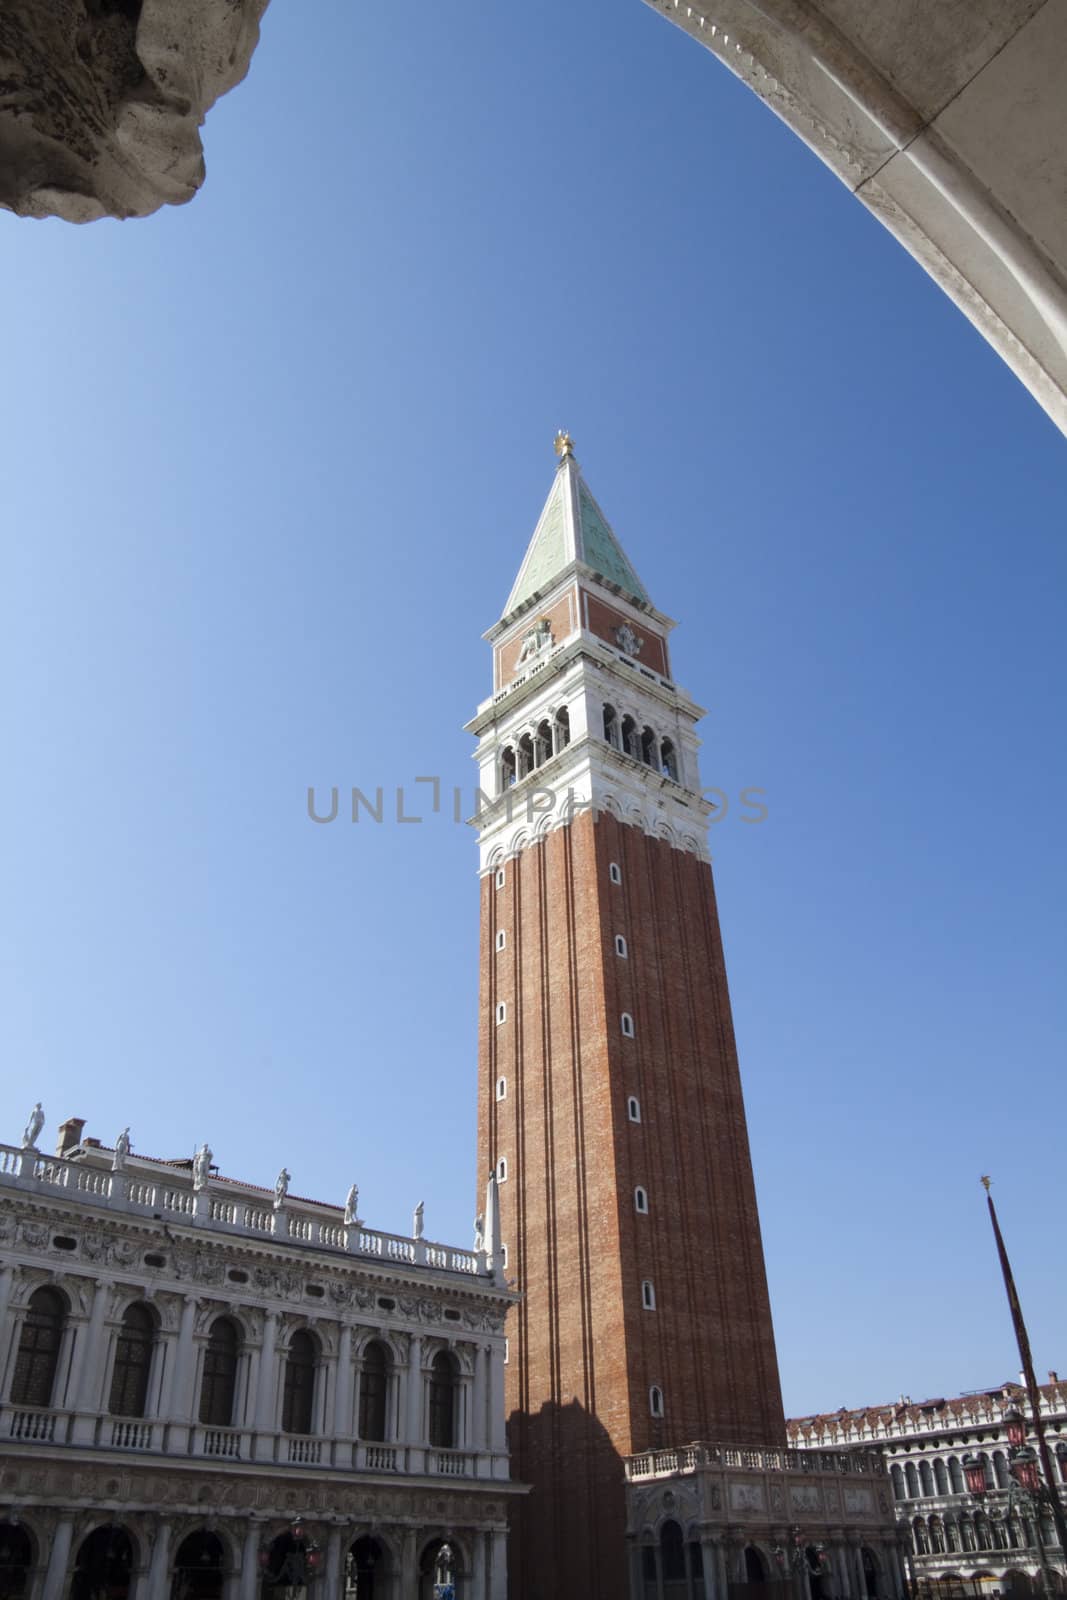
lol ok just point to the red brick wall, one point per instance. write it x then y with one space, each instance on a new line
583 1351
604 619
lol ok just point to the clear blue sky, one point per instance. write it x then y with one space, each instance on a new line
272 460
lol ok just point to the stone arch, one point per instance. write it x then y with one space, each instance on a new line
106 1559
20 1553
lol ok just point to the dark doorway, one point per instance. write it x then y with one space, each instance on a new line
103 1568
16 1559
199 1568
364 1565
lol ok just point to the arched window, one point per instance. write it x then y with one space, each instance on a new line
501 1012
913 1480
672 1552
501 938
501 1088
630 742
373 1388
199 1566
955 1475
614 872
133 1357
668 759
627 1023
897 1474
940 1476
655 1400
633 1108
611 727
926 1478
298 1391
507 768
220 1374
104 1564
526 755
1000 1469
648 1294
38 1353
444 1382
561 730
502 1170
649 748
919 1539
755 1571
641 1201
542 743
620 946
500 878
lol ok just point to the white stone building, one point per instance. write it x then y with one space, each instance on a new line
212 1390
706 1522
959 1542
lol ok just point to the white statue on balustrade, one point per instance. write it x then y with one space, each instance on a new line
479 1231
202 1167
281 1187
416 1221
352 1207
122 1150
33 1128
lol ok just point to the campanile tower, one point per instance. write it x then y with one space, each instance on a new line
610 1101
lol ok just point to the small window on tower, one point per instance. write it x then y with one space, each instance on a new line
655 1401
503 1255
501 1088
502 1170
627 1025
648 1295
500 879
615 872
620 946
501 939
641 1201
507 1351
633 1108
501 1012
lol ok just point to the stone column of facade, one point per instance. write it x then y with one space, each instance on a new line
265 1420
180 1397
7 1279
479 1432
498 1439
633 1566
408 1574
342 1418
58 1560
498 1568
332 1585
842 1581
416 1438
856 1563
722 1571
158 1569
478 1565
86 1380
709 1558
249 1563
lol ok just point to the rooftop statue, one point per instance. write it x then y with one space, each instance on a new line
33 1128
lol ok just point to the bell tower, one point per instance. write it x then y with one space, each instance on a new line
610 1103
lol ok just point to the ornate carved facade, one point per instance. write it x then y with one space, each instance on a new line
191 1367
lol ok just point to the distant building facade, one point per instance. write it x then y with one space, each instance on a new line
956 1540
710 1522
208 1389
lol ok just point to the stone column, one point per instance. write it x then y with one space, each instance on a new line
722 1573
709 1556
332 1586
414 1430
250 1563
498 1439
342 1418
633 1567
55 1582
409 1577
478 1573
498 1565
180 1397
479 1432
158 1571
265 1419
87 1378
859 1580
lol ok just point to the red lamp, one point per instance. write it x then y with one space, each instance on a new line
314 1559
1024 1470
974 1473
1016 1429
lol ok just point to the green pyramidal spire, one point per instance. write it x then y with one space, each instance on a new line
572 528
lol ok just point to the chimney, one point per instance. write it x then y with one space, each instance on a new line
70 1134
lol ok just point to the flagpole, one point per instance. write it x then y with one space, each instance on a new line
1026 1361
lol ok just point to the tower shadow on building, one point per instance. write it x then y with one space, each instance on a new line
567 1537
